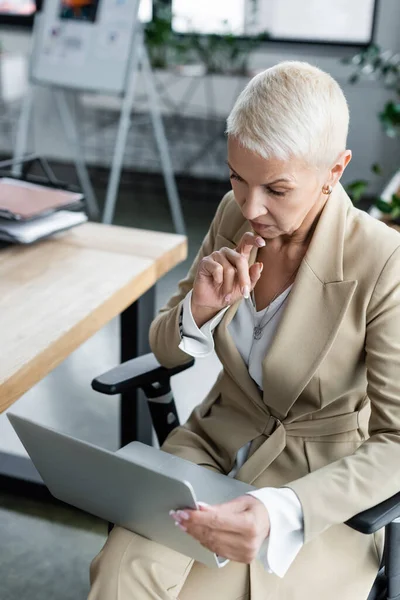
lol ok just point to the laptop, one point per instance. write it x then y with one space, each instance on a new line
135 487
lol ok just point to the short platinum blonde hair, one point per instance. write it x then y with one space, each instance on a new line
292 110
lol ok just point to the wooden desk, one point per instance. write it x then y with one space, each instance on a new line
57 293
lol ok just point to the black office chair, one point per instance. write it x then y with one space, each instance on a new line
147 374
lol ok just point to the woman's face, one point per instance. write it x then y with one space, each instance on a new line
274 195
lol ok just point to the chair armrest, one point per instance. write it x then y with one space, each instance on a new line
139 372
376 517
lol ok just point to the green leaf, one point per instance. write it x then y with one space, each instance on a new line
383 206
373 49
377 169
392 112
356 189
396 200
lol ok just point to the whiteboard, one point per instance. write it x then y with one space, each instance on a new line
84 44
328 21
347 21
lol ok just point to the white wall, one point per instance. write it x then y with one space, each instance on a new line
367 141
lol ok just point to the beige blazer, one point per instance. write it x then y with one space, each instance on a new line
328 422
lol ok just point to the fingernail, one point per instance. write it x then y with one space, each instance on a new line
180 526
260 242
182 515
203 504
245 291
228 298
261 266
171 513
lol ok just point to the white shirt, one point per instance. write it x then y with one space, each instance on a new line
286 535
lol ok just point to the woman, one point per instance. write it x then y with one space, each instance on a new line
300 293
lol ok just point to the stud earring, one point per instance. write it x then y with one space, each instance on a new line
327 189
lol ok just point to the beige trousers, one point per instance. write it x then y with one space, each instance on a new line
130 567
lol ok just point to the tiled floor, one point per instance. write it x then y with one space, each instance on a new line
45 549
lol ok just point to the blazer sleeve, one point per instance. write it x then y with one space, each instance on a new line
336 492
198 342
166 329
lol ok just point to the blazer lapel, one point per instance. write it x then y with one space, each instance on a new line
224 345
315 309
231 358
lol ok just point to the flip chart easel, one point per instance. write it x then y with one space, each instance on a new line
96 46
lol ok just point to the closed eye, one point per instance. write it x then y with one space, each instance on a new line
266 187
235 176
274 192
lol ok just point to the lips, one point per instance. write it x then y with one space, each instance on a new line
254 223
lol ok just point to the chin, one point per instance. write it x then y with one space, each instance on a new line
271 235
269 232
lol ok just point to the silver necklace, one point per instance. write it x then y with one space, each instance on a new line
258 329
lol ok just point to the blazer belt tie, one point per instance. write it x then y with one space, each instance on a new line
277 432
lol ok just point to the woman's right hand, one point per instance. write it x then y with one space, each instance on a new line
224 277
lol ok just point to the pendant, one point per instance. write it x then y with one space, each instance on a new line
257 333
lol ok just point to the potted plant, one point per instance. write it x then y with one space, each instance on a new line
383 66
223 53
391 210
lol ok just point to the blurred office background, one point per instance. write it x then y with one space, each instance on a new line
202 55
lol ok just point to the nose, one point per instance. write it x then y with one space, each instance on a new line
254 205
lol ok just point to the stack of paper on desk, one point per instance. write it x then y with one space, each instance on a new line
29 212
27 232
22 200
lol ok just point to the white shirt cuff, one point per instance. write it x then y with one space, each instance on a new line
286 536
197 342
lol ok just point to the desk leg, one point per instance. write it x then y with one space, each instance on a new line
135 420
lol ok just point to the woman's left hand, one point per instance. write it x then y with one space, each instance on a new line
233 530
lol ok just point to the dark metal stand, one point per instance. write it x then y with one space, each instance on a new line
30 162
135 420
392 560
